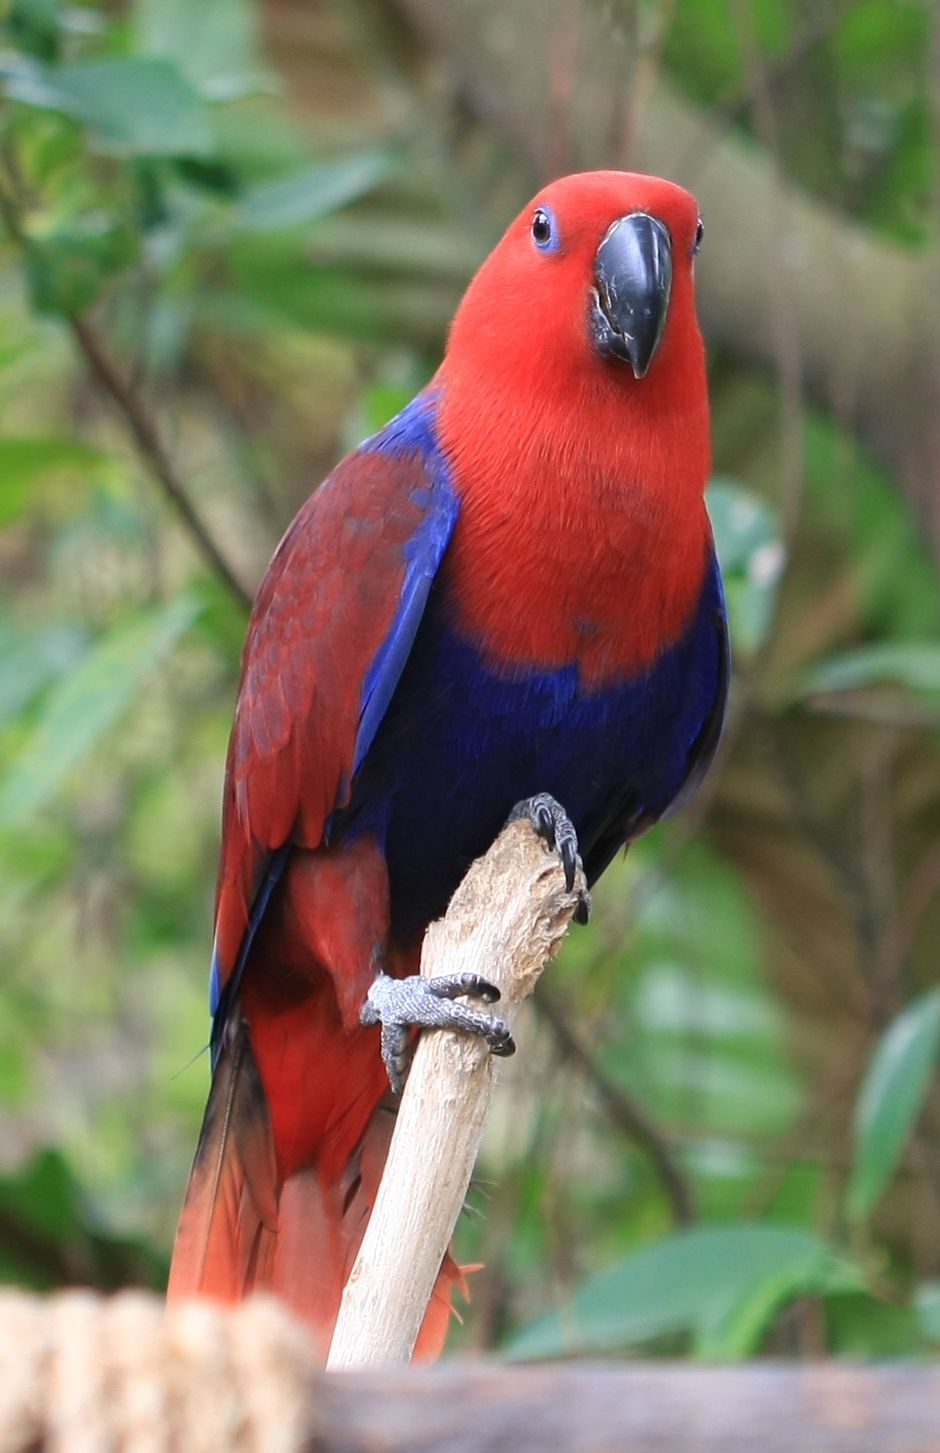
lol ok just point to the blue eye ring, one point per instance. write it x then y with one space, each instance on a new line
544 229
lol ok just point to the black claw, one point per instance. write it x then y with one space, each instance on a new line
568 858
583 911
397 1052
453 986
500 1040
555 827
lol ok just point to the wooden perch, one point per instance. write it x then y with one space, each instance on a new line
505 922
79 1374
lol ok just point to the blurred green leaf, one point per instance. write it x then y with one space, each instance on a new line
913 664
68 269
752 559
891 1098
927 1307
87 703
29 660
134 105
49 1233
213 43
704 49
721 1284
271 285
44 1195
709 1045
312 192
856 507
381 402
34 26
215 178
734 1328
860 1324
25 462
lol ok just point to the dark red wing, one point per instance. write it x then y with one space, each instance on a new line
330 632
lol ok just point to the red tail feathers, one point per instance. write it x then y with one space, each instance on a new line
242 1229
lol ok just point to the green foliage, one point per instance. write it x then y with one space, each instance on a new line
752 560
272 283
124 153
131 105
891 1097
707 1041
28 463
851 120
914 664
302 197
927 1303
49 1233
80 709
722 1285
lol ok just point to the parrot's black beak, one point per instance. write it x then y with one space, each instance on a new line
632 282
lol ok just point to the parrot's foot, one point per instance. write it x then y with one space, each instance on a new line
400 1005
553 824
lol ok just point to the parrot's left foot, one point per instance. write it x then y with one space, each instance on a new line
553 824
400 1005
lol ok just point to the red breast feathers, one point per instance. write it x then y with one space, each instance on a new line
574 415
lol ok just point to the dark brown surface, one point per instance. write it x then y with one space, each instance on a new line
640 1409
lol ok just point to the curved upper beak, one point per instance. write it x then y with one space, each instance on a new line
632 283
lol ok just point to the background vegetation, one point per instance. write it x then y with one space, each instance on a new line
233 235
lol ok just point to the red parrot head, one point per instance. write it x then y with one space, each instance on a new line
595 273
575 368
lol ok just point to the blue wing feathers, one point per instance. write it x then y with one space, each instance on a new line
410 432
273 870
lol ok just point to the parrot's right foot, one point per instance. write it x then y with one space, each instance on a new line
401 1005
554 826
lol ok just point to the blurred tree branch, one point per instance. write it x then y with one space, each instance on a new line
146 435
869 342
137 418
622 1110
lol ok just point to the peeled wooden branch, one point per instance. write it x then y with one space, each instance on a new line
505 921
79 1374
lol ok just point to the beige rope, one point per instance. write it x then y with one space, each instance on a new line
80 1374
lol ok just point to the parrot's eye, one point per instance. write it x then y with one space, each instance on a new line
699 234
543 229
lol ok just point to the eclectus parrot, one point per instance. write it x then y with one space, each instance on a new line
506 600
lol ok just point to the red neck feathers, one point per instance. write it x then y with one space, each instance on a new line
582 536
